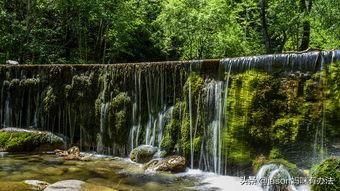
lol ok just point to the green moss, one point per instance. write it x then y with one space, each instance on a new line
168 143
29 141
50 99
248 114
329 168
185 136
239 156
118 117
275 153
285 130
194 83
312 90
30 82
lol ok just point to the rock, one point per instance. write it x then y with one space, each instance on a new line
277 175
329 170
37 184
174 164
159 154
73 153
143 153
26 140
66 185
12 62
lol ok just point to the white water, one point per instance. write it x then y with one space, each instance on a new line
211 158
270 172
3 154
136 113
103 122
212 181
216 182
191 131
7 115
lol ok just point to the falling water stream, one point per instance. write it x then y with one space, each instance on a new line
154 91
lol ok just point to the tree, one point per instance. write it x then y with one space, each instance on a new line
201 29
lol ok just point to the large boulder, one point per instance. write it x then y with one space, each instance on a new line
328 172
66 185
143 153
23 140
174 164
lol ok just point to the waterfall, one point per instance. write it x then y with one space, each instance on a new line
217 125
8 112
163 118
270 173
191 133
103 126
304 61
157 125
136 113
153 89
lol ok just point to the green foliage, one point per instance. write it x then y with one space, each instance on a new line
86 31
275 153
43 32
200 29
329 168
325 24
285 130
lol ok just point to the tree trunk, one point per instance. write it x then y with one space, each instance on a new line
265 35
306 6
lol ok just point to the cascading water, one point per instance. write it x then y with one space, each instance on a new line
7 112
191 128
103 126
274 177
154 90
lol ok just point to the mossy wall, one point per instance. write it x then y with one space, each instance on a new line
68 100
225 119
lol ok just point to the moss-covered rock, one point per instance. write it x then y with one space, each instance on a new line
21 140
293 170
328 170
143 153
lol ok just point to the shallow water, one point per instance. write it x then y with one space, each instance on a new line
109 173
114 173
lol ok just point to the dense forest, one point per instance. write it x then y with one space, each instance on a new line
111 31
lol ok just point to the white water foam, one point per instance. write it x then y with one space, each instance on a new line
212 181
